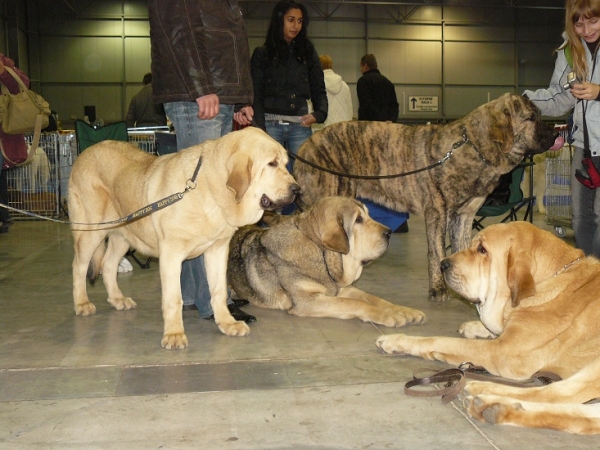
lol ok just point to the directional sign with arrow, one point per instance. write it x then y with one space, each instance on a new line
423 103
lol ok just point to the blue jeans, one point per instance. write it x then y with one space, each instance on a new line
191 131
585 206
289 135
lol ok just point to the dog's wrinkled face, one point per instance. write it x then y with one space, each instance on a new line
257 172
369 239
483 274
504 265
531 134
468 272
343 225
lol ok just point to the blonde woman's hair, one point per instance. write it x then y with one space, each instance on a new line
326 62
576 10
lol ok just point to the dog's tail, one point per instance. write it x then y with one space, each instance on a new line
95 266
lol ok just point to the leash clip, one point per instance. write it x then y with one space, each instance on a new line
190 185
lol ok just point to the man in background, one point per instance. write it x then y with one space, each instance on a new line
143 112
377 101
376 94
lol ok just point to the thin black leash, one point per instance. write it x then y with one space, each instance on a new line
465 140
142 212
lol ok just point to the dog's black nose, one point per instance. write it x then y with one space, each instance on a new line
295 188
445 264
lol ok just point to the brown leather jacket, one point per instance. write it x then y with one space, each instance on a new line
199 47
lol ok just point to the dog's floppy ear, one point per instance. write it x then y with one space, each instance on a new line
325 228
239 169
335 265
334 238
501 129
520 280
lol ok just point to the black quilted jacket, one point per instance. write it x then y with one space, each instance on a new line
283 87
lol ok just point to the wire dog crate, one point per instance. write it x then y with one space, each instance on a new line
40 186
145 137
558 186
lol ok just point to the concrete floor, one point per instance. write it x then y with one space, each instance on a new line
295 383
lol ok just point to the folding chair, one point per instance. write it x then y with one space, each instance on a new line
88 135
512 203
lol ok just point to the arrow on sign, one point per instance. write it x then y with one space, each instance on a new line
414 102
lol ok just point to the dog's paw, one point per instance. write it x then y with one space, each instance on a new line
492 409
475 330
400 316
122 303
85 309
415 317
235 328
174 340
392 343
438 295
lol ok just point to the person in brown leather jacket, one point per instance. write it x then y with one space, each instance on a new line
201 73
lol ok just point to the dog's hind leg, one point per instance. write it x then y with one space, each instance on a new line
117 247
87 244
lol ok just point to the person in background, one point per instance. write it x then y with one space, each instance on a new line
579 54
376 94
201 73
286 73
15 142
339 100
377 101
143 112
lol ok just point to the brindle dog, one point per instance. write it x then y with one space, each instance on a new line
487 143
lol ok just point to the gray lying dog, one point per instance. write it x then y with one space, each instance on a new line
306 264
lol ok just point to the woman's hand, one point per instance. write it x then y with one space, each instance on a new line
586 91
308 120
244 116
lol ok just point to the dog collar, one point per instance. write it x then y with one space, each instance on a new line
566 266
466 140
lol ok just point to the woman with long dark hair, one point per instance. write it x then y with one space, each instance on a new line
286 72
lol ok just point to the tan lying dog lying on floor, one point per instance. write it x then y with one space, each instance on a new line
306 264
242 174
541 298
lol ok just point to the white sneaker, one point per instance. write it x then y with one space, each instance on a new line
125 266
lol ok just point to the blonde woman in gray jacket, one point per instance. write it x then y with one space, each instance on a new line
579 55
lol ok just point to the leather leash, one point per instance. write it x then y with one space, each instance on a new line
190 185
456 145
454 381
